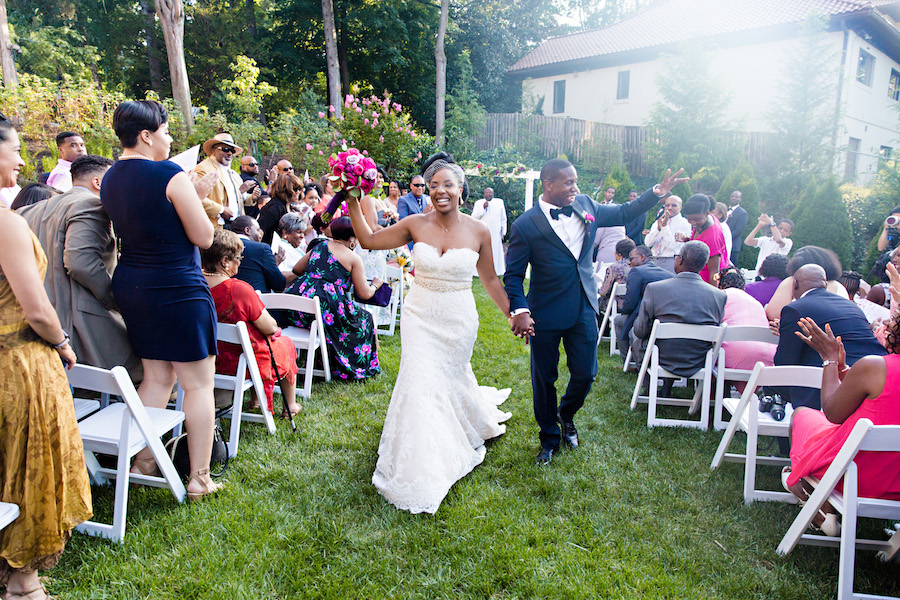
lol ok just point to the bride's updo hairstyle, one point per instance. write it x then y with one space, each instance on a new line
442 160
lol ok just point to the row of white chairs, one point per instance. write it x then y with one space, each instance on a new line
747 417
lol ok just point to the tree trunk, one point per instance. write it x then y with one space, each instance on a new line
171 18
331 58
250 6
10 79
153 47
440 76
342 48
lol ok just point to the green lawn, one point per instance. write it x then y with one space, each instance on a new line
632 513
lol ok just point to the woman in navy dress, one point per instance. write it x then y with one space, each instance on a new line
158 284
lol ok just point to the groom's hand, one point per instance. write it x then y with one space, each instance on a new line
669 181
522 325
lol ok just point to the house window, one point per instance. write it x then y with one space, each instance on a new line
864 68
622 90
885 152
852 158
559 96
894 85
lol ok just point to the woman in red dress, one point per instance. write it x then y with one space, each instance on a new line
235 301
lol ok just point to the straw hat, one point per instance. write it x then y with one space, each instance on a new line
221 138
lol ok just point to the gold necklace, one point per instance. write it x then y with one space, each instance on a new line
445 227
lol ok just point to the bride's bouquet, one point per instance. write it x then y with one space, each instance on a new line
352 174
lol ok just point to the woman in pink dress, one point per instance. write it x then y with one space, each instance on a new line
868 390
706 228
742 309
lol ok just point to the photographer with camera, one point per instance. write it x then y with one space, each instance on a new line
890 233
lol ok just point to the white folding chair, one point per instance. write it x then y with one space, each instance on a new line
308 340
245 377
123 429
8 513
601 273
736 333
865 437
85 407
747 417
394 277
668 331
618 291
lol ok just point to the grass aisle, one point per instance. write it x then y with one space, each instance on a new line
632 513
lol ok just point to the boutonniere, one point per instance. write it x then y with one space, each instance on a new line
588 218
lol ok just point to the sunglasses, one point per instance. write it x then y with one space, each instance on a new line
418 185
226 149
251 164
286 169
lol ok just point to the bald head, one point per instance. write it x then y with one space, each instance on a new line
808 277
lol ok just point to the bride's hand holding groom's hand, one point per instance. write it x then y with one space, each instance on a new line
522 325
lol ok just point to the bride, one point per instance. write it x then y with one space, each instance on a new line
439 417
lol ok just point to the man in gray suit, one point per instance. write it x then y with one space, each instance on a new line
77 238
684 298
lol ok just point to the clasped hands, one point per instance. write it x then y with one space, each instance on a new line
522 325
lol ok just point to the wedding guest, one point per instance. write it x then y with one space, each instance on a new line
807 255
721 213
326 272
226 200
42 468
70 146
32 194
617 271
661 236
742 309
773 271
393 196
778 243
158 285
237 301
492 213
643 272
327 192
259 266
292 241
707 229
285 191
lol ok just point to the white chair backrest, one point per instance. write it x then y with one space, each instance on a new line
794 376
619 289
281 301
880 438
94 379
393 273
749 333
685 331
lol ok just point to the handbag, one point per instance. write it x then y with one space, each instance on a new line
381 297
177 448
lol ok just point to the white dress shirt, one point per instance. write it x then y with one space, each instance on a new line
569 229
662 240
61 176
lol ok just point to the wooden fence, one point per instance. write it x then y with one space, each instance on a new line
580 140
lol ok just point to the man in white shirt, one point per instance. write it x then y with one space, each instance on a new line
492 213
663 236
778 243
70 146
226 199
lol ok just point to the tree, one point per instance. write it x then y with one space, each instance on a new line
821 219
171 17
440 61
742 180
10 79
331 57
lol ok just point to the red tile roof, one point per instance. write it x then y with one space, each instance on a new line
679 20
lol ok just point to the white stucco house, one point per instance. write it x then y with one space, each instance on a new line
608 75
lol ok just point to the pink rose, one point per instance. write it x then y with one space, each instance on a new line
381 139
352 159
321 153
359 110
337 170
357 169
366 121
321 115
331 108
374 114
352 180
309 146
370 174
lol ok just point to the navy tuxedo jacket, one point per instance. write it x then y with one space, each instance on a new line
258 268
638 278
558 279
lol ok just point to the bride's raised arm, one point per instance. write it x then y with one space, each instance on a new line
487 273
384 239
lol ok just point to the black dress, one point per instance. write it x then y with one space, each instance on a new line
349 330
158 284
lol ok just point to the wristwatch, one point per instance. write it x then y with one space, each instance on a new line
63 343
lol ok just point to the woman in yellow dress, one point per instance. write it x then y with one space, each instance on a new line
41 457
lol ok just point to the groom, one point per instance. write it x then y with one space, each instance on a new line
556 237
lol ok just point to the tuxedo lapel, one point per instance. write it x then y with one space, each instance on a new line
543 225
588 240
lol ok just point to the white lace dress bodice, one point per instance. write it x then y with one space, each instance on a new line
439 417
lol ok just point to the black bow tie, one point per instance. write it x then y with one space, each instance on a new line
555 212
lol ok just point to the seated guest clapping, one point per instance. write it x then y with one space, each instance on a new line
773 271
742 309
291 240
617 272
326 272
843 316
642 273
259 267
685 298
236 301
870 389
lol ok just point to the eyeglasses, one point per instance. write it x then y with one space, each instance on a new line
251 164
286 169
226 149
418 185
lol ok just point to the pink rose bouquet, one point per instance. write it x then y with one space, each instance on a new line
352 174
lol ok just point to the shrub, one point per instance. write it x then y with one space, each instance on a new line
822 220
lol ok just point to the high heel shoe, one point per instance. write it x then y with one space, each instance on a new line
147 467
209 487
830 524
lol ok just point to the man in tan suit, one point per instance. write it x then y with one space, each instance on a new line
77 238
226 200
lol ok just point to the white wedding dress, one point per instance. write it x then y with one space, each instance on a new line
439 417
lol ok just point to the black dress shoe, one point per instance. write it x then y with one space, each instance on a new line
544 457
569 433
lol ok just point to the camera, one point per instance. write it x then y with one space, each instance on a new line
892 221
773 404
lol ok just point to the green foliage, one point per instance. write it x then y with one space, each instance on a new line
620 179
689 115
877 206
742 179
54 52
465 116
859 209
804 117
822 219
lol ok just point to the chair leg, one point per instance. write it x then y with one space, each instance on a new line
750 462
179 403
237 399
847 552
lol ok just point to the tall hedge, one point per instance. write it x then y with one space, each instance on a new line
821 219
742 180
618 178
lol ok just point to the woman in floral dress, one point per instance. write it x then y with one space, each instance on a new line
326 272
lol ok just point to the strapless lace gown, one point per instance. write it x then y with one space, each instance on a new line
439 417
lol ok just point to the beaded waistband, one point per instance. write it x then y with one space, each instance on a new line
442 285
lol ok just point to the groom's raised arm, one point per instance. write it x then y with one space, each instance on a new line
609 216
518 255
